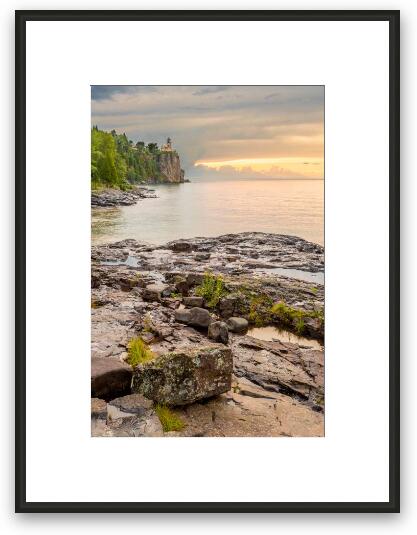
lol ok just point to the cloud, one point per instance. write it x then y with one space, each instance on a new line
105 92
227 172
210 89
245 122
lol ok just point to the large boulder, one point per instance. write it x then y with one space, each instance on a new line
109 378
237 325
197 317
218 332
185 376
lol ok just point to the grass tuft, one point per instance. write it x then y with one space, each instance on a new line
284 313
212 289
169 420
138 352
260 310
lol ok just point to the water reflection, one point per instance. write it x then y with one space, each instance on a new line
213 208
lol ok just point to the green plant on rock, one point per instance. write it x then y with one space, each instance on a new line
299 326
138 352
284 314
260 310
212 289
169 420
95 303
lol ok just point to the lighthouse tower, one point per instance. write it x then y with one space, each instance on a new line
168 146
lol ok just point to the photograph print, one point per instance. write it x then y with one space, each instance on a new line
207 261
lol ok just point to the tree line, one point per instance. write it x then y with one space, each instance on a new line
118 163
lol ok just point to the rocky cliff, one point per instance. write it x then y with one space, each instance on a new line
169 167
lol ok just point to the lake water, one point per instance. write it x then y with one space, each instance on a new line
294 207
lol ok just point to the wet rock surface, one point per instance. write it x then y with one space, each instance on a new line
106 198
147 291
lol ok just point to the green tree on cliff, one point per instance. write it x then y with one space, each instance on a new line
117 162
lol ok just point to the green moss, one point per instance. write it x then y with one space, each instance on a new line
169 420
212 289
138 352
293 317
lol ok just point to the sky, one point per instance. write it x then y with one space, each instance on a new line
223 131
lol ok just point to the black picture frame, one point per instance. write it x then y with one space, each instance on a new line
393 505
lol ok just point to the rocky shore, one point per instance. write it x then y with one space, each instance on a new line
203 310
116 197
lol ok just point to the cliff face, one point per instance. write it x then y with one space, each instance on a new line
169 167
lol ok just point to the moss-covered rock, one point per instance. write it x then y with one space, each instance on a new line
183 377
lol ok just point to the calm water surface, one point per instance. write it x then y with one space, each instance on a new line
294 207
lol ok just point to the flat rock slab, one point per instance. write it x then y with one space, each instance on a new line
280 367
251 411
110 378
132 403
128 426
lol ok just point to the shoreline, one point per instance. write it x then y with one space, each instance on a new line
154 292
111 197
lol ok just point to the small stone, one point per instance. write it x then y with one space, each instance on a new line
154 292
199 317
193 301
181 286
218 332
227 305
98 408
202 256
237 325
313 327
195 279
181 246
182 315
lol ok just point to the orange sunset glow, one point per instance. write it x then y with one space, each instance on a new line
224 131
